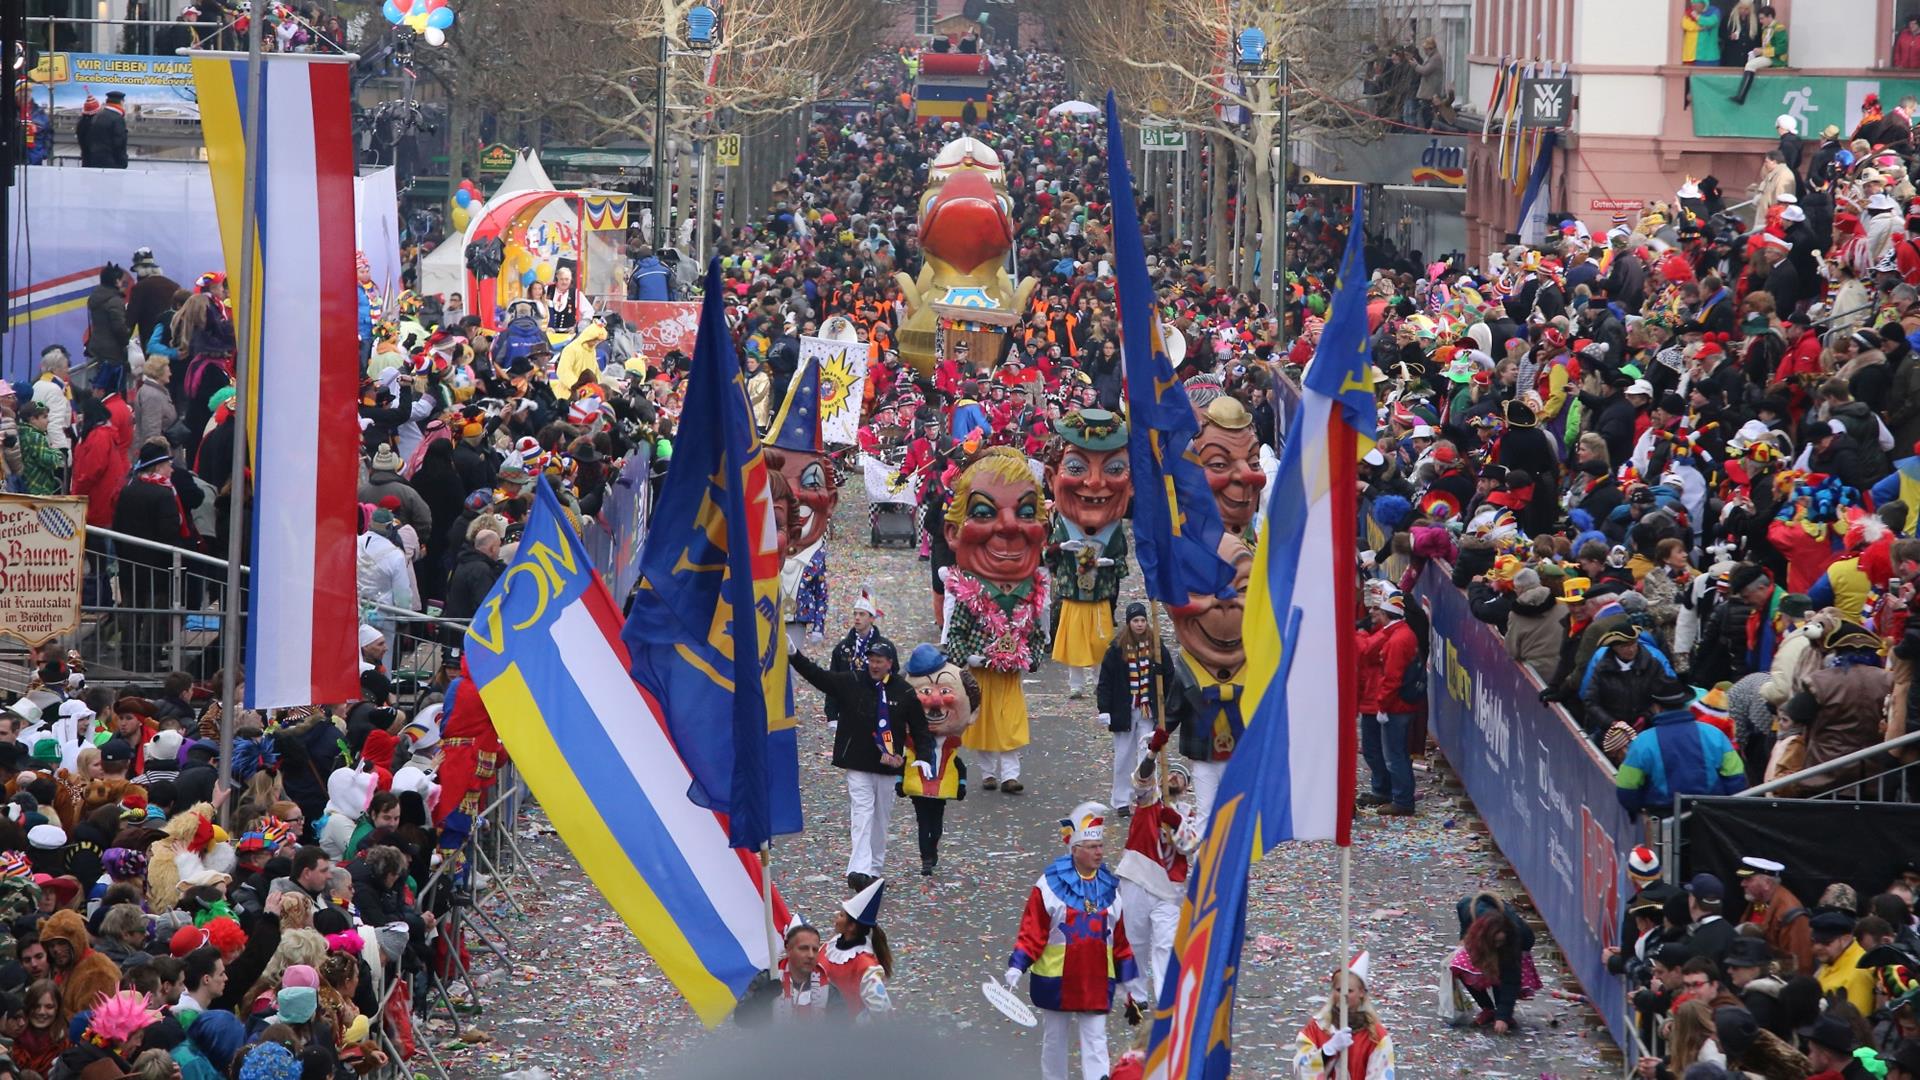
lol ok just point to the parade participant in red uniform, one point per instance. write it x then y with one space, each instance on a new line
1163 835
1363 1043
1073 945
857 963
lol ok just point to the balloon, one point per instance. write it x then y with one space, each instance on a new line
394 12
463 197
544 272
435 36
439 18
459 217
527 279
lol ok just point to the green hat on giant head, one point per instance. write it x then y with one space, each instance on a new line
1093 429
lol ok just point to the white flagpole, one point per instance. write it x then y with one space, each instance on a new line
1346 944
766 905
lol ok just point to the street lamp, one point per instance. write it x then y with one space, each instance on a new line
702 24
1252 52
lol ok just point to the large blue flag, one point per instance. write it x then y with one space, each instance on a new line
1292 773
705 628
1176 524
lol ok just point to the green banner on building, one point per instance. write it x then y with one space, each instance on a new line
1812 100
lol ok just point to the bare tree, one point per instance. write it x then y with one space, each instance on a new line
1171 61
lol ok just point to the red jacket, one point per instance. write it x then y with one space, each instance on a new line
1385 656
100 468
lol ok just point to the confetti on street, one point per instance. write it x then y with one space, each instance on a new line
581 998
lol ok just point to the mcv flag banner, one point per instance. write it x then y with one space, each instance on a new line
301 408
545 651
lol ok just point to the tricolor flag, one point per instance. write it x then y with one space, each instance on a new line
1176 524
705 628
304 430
544 650
1291 776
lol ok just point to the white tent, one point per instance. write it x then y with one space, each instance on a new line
444 269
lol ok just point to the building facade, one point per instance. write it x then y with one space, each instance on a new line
1644 120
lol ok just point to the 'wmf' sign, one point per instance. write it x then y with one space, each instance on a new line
1546 103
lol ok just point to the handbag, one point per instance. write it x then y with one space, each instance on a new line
1454 1005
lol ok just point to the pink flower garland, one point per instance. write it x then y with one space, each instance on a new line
1007 635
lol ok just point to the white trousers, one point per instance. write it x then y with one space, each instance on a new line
1150 919
870 805
1077 678
1129 747
1054 1029
1000 764
1757 63
1206 785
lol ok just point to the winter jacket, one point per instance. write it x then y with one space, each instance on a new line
413 510
92 973
1613 420
1536 627
100 469
472 578
855 745
651 280
1863 425
1846 459
1113 697
578 358
108 330
1386 655
1677 755
1613 693
153 413
1842 707
1489 604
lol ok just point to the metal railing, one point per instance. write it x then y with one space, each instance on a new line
1892 783
150 609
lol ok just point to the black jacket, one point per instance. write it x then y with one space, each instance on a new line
1711 939
1488 604
472 578
853 740
477 468
1111 694
107 326
843 660
1842 458
103 145
1611 693
1613 421
1506 990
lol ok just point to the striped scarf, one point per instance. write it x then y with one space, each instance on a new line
1139 674
882 723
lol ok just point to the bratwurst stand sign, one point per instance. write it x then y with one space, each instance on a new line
42 558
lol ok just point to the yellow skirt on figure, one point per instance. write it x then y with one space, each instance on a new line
1000 724
1086 628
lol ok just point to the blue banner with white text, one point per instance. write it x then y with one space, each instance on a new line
1544 791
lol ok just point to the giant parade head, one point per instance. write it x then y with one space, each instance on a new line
1208 628
948 693
997 521
1093 479
1229 450
800 454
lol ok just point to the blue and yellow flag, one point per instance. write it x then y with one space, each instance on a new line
545 655
705 627
1291 776
1176 524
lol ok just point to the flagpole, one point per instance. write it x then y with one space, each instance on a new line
766 906
1159 699
247 318
1346 942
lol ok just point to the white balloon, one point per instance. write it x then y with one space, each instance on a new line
435 36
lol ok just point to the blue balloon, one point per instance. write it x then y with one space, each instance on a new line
463 198
527 278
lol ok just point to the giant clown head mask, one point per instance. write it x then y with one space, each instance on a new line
802 459
996 523
948 694
1208 628
1093 480
1229 451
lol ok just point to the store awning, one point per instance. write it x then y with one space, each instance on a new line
1449 199
597 157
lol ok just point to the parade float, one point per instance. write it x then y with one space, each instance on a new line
964 292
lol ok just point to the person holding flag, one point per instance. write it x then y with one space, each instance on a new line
1357 1047
1291 774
